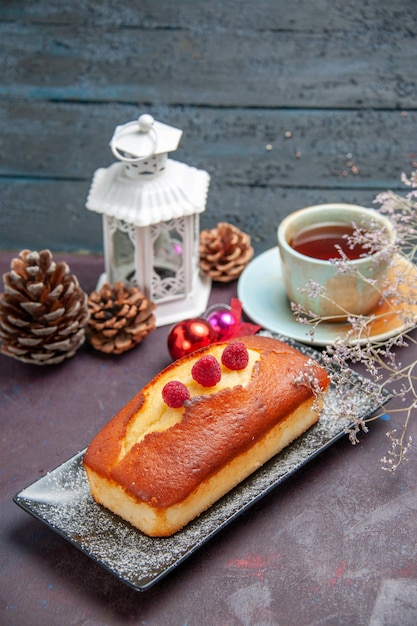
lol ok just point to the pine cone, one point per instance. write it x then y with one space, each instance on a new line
43 310
224 252
120 318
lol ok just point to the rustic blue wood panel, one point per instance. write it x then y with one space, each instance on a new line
339 76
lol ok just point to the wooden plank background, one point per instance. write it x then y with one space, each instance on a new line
339 76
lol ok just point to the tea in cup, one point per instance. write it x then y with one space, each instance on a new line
309 240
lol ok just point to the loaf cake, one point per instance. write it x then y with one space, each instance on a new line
198 429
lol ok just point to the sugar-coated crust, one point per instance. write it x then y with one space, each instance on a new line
213 433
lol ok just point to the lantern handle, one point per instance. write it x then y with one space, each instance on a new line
145 124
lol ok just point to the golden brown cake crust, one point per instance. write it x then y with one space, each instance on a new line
166 467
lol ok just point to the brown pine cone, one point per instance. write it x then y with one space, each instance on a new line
43 310
120 318
224 252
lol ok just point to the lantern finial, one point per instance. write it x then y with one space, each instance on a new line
145 122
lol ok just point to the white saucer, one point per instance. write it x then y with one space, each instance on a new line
262 293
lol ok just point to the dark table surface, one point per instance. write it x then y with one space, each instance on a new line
334 544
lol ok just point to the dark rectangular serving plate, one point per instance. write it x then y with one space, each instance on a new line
62 500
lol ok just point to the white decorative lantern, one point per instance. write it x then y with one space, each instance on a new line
151 206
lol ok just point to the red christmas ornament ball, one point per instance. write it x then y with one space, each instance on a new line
190 335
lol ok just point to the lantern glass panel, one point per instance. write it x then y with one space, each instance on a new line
168 276
123 256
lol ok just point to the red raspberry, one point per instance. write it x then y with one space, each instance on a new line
235 356
206 371
175 393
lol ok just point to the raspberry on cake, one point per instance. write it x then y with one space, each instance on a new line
175 393
235 356
206 371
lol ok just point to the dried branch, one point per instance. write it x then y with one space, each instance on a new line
398 306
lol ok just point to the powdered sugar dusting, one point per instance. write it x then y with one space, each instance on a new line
62 500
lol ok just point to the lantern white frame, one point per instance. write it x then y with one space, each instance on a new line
147 199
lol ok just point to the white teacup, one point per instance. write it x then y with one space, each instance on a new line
349 293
